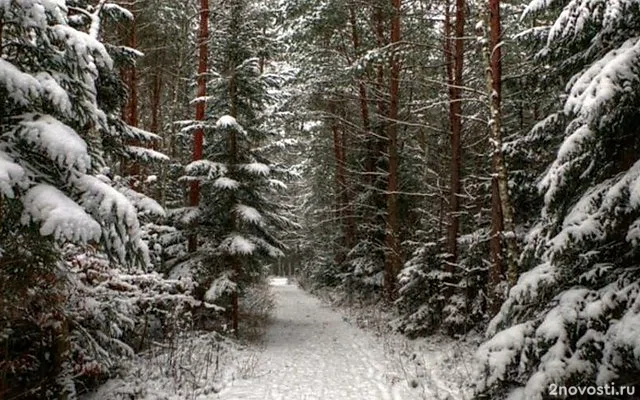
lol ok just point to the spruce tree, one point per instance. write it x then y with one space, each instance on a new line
238 221
59 126
573 317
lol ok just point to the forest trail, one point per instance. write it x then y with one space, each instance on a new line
312 353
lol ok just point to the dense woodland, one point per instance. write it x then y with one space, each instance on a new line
469 165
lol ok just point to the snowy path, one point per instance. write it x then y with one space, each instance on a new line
312 353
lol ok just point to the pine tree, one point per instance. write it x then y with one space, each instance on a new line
572 318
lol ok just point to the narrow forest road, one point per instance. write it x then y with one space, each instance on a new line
312 353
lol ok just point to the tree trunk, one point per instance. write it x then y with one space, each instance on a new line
170 147
235 298
502 213
370 159
156 95
501 202
155 102
499 163
235 263
377 141
344 211
393 262
454 57
203 37
496 273
494 89
380 41
1 212
132 107
132 118
233 160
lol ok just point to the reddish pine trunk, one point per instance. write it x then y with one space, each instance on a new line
500 188
497 226
454 58
198 139
497 222
393 262
496 51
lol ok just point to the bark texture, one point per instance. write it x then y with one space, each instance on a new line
203 35
393 259
454 58
343 205
503 226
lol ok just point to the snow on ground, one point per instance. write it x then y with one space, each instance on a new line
312 352
278 281
194 366
441 368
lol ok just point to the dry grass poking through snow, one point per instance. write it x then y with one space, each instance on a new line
256 308
195 365
439 367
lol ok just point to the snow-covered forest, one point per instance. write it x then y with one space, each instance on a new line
450 187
